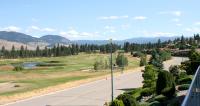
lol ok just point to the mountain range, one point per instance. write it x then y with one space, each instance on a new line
50 40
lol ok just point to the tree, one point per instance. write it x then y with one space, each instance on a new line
37 52
13 54
149 76
126 47
100 64
143 60
159 45
156 59
165 55
194 60
165 84
21 54
121 60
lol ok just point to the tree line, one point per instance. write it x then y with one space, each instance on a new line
56 50
180 42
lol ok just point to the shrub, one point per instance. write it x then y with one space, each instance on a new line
53 61
137 54
144 104
117 102
174 70
18 68
155 103
160 98
149 76
186 80
183 87
169 91
165 55
128 100
147 92
174 102
165 84
143 60
100 64
121 60
16 85
183 75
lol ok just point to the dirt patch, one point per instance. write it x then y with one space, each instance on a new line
10 86
6 67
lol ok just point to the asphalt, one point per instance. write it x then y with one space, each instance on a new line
91 94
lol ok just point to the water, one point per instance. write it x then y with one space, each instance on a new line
28 65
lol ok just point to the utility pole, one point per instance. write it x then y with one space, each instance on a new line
111 67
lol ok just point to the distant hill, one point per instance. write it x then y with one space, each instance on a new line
54 39
141 40
24 39
16 37
121 42
9 44
51 40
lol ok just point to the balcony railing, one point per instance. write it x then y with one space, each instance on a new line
193 94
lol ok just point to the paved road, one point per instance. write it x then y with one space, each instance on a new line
91 94
174 61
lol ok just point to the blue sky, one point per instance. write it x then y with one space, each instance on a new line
101 19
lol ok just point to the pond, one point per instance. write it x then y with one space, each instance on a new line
28 65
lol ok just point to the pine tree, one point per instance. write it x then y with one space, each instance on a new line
13 54
21 54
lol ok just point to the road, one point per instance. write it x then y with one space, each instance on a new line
92 94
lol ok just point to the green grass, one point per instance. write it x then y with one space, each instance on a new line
42 83
41 77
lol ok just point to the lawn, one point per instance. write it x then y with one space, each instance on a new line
56 70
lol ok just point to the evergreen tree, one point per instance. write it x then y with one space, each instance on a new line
21 52
13 54
37 52
121 60
165 84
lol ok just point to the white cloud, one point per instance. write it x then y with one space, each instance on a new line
193 30
113 17
12 28
155 34
197 23
110 29
175 20
73 34
175 13
38 29
35 27
48 29
139 18
178 24
163 34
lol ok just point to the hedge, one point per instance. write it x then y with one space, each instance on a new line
186 80
183 87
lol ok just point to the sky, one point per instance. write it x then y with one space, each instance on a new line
101 19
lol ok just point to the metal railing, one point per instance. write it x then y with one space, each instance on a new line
193 94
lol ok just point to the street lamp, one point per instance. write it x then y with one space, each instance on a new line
111 67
